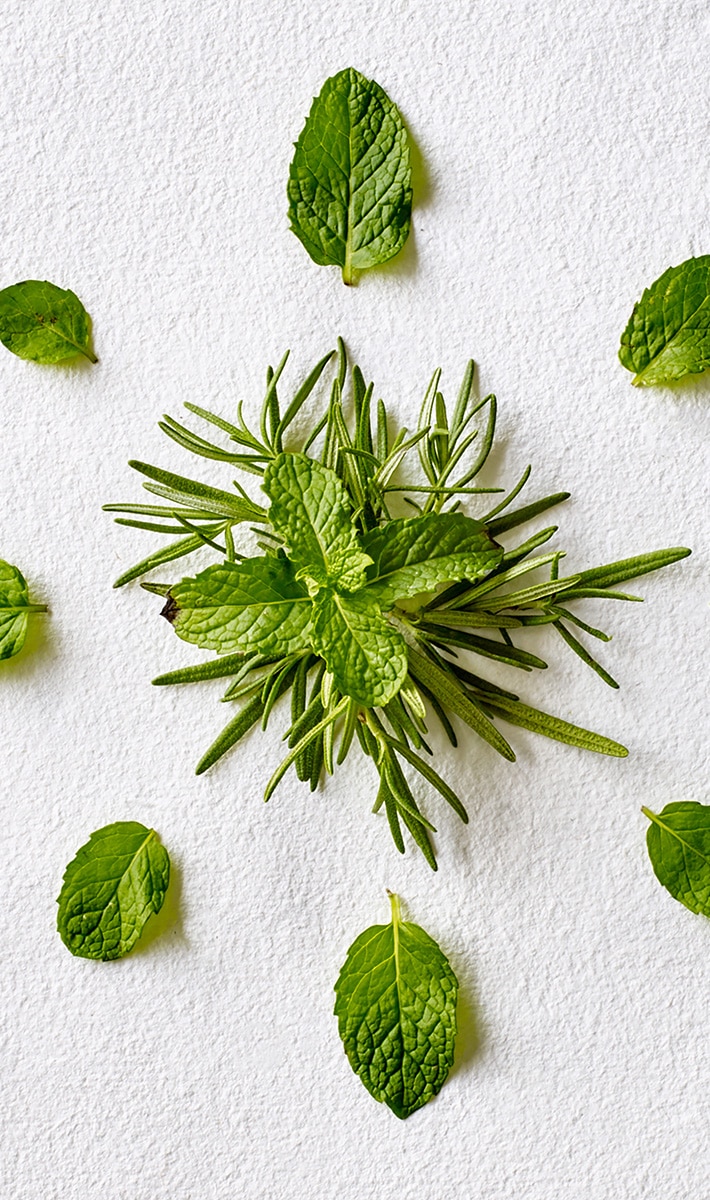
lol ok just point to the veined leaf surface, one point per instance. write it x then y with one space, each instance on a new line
42 322
678 841
115 883
419 553
231 607
396 1009
15 608
349 188
668 334
311 511
365 654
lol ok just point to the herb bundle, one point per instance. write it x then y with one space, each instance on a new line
360 615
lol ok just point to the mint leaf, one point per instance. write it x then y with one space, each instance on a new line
417 554
396 1010
668 334
115 883
43 323
311 511
349 188
15 609
679 848
256 605
365 654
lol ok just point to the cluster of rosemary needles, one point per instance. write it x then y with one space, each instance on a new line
374 624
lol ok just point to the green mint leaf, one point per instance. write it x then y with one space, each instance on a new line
43 323
366 655
115 883
231 607
15 609
349 188
417 554
668 334
679 848
396 1009
311 511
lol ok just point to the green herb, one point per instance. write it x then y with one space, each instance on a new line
375 624
349 188
15 609
679 848
113 886
668 334
396 1010
43 323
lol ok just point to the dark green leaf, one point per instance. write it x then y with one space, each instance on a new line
349 186
396 1009
679 848
668 334
113 886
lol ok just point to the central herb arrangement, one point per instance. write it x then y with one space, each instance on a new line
359 614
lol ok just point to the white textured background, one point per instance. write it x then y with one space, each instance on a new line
563 165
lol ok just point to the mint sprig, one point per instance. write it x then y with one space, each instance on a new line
376 624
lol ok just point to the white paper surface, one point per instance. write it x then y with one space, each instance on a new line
563 164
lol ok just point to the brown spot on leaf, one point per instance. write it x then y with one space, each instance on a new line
170 611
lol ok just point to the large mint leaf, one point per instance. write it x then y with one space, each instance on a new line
115 883
365 654
396 1010
349 188
15 609
678 842
310 510
668 334
44 323
417 554
239 607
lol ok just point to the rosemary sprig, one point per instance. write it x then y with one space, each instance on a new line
373 623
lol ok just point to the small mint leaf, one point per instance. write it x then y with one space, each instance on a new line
668 334
349 188
678 841
15 609
111 888
396 1008
43 323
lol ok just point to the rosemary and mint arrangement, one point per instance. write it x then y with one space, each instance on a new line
377 602
357 614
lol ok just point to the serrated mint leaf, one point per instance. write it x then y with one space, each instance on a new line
43 323
311 511
15 609
678 841
668 334
113 886
349 188
256 605
366 655
396 1010
419 553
